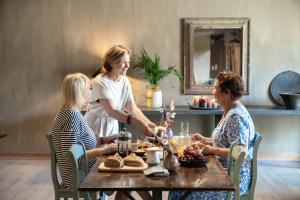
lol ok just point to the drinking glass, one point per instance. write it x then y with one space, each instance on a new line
184 128
135 144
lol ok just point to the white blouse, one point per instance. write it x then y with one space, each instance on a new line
118 92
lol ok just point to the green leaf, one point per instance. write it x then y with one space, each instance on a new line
152 69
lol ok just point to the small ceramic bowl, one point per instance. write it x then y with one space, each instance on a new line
140 152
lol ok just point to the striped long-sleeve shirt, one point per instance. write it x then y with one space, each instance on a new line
68 127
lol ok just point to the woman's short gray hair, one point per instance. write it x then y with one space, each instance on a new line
72 88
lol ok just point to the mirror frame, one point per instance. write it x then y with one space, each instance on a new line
189 26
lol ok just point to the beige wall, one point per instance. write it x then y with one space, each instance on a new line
42 40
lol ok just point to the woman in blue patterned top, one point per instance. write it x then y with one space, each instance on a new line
236 126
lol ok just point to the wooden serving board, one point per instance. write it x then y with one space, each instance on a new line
125 168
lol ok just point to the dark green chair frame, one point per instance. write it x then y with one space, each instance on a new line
60 190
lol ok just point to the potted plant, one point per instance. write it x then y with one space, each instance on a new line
154 73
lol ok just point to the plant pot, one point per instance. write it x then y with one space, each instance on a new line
154 97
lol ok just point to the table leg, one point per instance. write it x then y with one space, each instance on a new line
157 195
93 195
129 195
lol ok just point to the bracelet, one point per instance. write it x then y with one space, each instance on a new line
128 119
101 140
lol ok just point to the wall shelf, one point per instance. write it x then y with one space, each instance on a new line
253 110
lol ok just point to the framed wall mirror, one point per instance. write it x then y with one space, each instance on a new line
213 45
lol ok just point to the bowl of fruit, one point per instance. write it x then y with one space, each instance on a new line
192 157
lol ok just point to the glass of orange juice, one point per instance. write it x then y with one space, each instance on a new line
180 150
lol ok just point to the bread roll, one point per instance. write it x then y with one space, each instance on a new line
133 160
114 161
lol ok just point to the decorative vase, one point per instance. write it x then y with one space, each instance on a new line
169 133
154 97
170 161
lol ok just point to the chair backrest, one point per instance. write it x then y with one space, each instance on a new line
256 142
79 160
235 173
235 159
53 164
77 154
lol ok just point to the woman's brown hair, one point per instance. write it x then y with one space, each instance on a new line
233 82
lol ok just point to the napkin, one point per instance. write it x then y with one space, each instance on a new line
156 171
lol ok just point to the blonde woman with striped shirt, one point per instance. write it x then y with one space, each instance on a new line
69 126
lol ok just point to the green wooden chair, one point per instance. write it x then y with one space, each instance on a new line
60 190
235 159
235 173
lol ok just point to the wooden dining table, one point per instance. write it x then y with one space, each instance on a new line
210 177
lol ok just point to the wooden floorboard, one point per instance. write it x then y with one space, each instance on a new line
30 178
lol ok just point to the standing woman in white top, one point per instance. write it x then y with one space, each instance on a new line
112 96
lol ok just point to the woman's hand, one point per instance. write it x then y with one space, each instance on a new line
111 138
147 130
198 137
108 149
107 139
197 145
151 125
208 150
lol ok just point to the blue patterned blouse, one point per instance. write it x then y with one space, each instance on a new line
236 127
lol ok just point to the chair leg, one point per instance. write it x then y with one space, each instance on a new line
228 195
93 195
56 196
75 196
87 196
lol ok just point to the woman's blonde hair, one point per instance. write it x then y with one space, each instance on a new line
114 55
72 88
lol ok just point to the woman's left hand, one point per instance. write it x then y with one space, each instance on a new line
151 125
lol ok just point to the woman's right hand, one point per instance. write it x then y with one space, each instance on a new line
197 137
